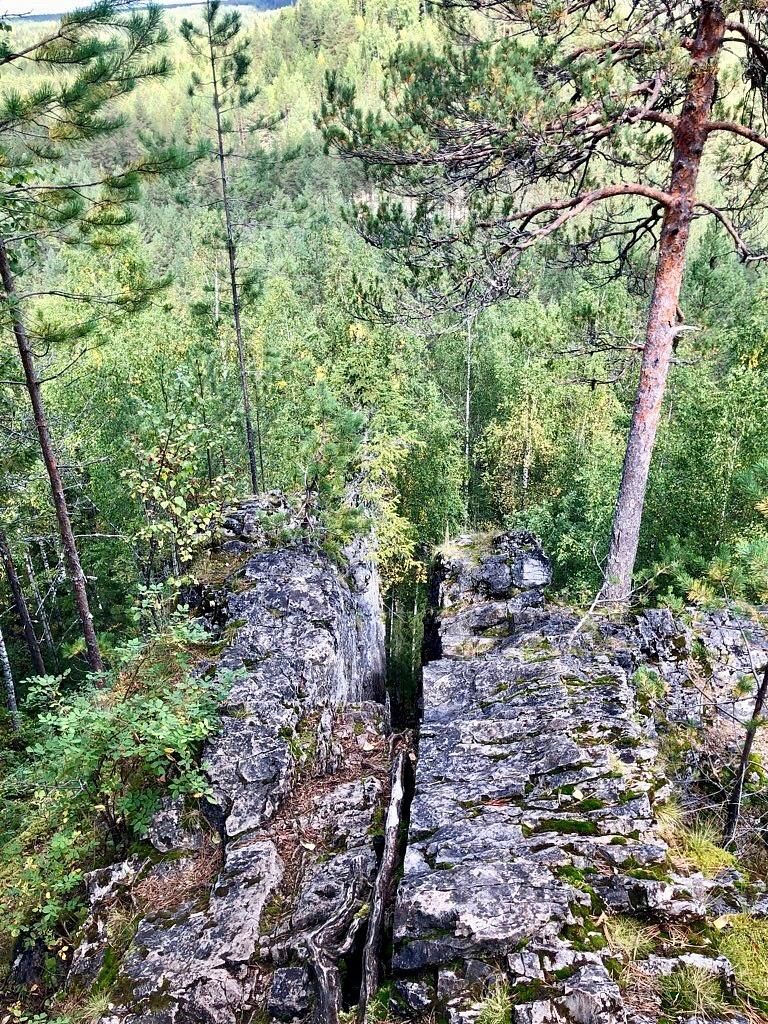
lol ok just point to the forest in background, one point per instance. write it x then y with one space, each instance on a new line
515 414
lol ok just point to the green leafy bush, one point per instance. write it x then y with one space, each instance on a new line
97 761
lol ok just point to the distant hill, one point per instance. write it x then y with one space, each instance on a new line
46 10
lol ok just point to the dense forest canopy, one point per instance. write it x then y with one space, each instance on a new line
187 263
510 411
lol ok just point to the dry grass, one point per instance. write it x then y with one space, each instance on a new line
640 989
181 880
362 755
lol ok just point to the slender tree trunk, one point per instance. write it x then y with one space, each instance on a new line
39 601
216 295
382 888
232 254
734 801
690 136
263 476
467 415
52 576
414 626
10 689
75 569
525 476
20 604
201 390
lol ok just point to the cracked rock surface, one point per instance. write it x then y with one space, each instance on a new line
534 815
297 770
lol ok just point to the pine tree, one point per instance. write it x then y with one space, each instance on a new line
733 806
94 57
564 112
20 604
220 48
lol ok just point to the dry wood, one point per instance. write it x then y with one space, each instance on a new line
383 884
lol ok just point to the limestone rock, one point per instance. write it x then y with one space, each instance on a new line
305 641
291 994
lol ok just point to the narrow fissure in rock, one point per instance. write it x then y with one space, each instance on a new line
536 839
342 878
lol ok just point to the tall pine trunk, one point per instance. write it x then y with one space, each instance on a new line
690 136
467 419
232 255
20 604
72 557
10 689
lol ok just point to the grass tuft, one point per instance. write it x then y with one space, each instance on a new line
696 845
692 991
629 939
497 1006
745 943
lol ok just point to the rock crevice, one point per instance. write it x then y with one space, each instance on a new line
534 820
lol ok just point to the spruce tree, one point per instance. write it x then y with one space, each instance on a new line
221 49
586 119
95 56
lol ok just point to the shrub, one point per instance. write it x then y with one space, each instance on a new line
95 766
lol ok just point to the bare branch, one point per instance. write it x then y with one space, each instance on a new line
739 243
738 129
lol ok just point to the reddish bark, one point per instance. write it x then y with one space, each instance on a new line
690 136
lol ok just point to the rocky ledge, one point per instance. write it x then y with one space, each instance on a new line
247 910
557 869
537 842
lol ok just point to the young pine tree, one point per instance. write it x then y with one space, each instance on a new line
95 56
548 113
221 49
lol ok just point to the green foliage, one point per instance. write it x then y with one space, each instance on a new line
95 765
496 1008
146 409
649 688
691 990
181 508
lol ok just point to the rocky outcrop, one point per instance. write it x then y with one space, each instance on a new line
246 918
539 884
533 824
